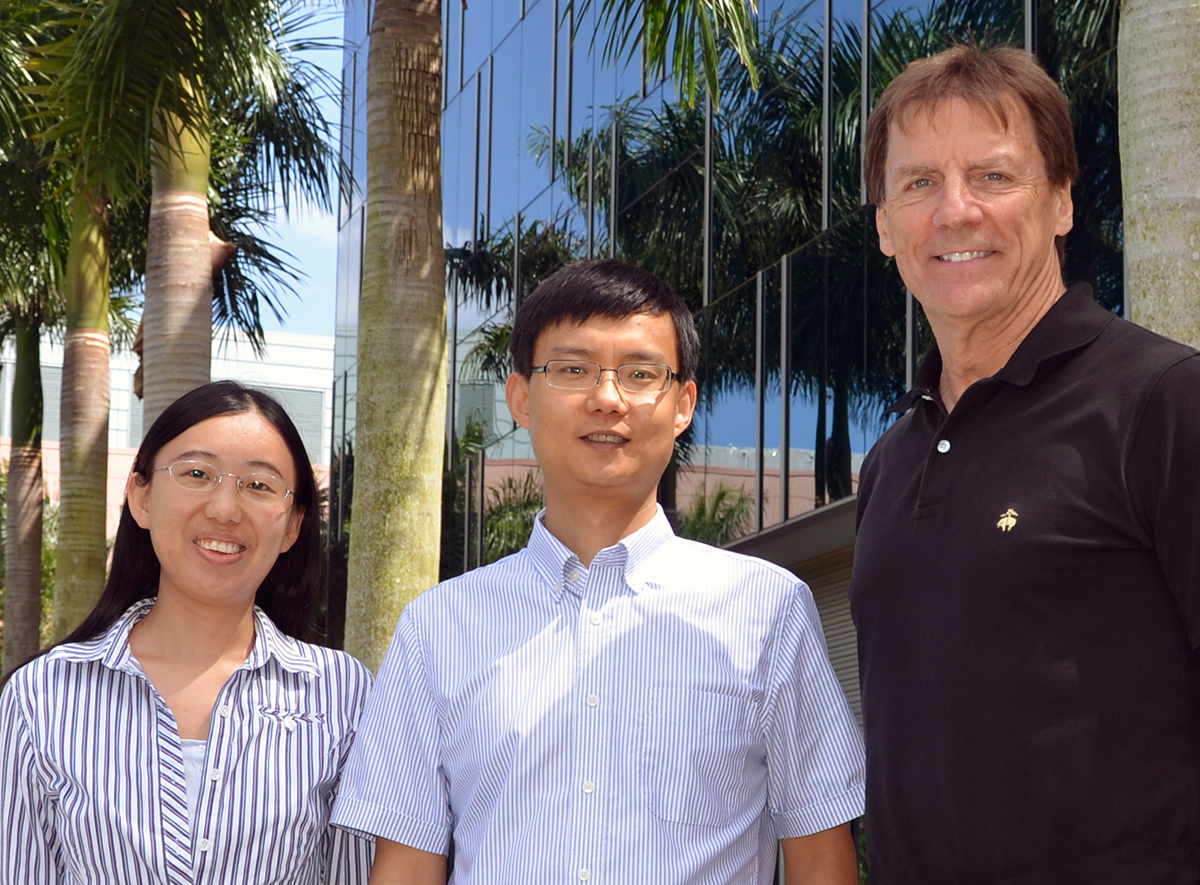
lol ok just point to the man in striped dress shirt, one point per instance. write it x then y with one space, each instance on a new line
612 704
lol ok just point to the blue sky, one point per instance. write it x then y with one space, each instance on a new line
310 234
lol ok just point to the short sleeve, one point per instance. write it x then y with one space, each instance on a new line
28 850
815 761
393 785
1163 471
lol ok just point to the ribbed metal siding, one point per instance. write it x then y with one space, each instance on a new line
829 578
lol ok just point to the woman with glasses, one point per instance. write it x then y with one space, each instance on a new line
185 732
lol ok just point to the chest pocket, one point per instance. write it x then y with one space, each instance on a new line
293 756
693 753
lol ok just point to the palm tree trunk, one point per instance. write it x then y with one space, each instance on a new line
177 319
84 409
838 459
23 529
402 330
1159 122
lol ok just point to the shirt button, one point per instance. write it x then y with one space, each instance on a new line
573 576
225 711
205 844
943 446
214 774
585 874
589 787
593 700
595 619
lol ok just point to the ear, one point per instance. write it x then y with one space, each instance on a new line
885 239
137 493
295 520
516 394
1066 212
685 405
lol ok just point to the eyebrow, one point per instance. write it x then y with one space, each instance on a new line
200 453
924 169
912 170
637 356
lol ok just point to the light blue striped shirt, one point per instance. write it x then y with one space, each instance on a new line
664 716
92 786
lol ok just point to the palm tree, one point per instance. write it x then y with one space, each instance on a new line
511 509
172 77
717 518
1159 134
27 290
127 90
401 405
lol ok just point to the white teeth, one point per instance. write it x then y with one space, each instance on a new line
605 437
218 546
962 256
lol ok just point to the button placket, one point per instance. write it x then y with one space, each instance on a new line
595 627
220 735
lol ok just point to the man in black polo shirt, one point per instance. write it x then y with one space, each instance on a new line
1027 579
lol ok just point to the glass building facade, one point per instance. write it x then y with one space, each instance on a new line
755 211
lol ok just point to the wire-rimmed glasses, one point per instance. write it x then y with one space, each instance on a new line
199 476
584 375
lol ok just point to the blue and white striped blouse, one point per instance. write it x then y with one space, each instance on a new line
92 786
663 716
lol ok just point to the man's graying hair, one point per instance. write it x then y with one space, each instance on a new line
993 79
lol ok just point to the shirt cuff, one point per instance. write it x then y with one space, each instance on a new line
822 816
372 820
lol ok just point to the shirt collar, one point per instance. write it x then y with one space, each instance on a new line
553 560
112 647
1072 322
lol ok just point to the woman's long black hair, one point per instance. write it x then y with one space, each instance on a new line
288 592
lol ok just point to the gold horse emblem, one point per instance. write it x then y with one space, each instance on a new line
1007 520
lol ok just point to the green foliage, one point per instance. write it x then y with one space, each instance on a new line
717 518
511 509
680 32
455 516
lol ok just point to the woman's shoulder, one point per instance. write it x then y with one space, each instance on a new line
337 664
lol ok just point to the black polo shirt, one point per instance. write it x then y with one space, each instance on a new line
1026 591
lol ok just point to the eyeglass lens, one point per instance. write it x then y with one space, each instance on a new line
200 476
633 377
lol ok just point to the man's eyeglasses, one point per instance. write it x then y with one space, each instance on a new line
582 375
200 476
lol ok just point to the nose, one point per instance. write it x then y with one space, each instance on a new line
225 501
957 205
607 395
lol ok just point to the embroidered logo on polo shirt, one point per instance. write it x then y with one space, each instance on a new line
1007 520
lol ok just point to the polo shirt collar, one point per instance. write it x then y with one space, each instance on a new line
112 647
1072 322
554 561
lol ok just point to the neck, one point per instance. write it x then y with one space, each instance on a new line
587 529
192 635
972 350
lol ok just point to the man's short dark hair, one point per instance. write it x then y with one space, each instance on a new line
608 288
991 79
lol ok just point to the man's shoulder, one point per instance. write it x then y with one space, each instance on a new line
1139 349
507 574
719 567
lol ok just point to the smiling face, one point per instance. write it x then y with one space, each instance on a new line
970 215
216 547
603 444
